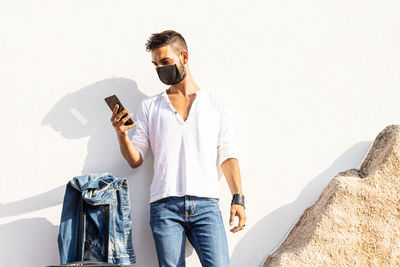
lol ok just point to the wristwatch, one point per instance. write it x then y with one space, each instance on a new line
238 199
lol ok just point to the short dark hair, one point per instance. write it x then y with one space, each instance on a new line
173 38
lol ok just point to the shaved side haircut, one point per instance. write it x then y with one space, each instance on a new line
167 37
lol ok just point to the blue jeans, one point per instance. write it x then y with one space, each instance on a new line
200 219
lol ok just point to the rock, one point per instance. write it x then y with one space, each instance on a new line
356 219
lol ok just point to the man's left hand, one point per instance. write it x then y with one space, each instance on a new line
237 210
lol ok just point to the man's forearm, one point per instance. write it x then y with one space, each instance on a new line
128 151
231 170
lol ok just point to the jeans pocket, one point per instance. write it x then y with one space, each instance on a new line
213 199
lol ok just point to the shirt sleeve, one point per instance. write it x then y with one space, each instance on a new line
140 138
227 147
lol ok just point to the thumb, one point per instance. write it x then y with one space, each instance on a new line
232 218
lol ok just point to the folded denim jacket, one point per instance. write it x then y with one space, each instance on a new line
96 220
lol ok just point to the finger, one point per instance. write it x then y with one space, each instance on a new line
232 217
127 127
237 228
121 114
131 125
127 117
122 122
114 113
242 220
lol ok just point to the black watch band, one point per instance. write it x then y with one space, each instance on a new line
238 199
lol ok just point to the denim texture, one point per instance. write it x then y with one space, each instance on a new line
106 209
174 218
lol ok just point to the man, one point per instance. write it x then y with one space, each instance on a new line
187 127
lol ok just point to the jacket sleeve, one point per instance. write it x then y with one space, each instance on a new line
140 138
227 147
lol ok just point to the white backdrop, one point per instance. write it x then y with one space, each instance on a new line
311 82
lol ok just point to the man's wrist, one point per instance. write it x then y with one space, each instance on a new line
238 199
122 134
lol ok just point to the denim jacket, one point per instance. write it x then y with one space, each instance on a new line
100 203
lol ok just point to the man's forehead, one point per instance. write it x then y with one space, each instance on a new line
160 59
162 53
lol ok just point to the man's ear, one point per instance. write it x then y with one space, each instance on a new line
185 57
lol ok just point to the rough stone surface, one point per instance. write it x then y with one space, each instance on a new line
356 219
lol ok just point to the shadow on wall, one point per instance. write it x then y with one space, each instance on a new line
267 234
77 115
81 114
84 113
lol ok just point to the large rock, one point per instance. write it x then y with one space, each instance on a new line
356 219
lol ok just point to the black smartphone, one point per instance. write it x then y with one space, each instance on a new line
112 101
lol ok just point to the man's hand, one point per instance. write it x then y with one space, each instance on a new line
119 126
237 210
128 151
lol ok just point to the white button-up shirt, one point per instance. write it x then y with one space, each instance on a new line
186 153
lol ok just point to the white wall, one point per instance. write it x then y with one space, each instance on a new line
312 83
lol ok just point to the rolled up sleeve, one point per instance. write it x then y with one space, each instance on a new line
140 138
227 146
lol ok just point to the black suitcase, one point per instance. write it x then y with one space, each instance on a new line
82 262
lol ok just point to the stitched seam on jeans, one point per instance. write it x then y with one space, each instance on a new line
198 246
183 245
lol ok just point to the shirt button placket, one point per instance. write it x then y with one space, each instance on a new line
172 108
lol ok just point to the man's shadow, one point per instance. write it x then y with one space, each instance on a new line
85 114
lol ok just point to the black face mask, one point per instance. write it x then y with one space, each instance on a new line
170 74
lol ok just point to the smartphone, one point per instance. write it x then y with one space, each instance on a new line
112 101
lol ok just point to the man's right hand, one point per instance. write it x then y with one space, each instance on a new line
119 126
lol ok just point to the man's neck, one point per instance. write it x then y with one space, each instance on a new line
185 88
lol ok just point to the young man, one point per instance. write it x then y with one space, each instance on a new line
187 127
